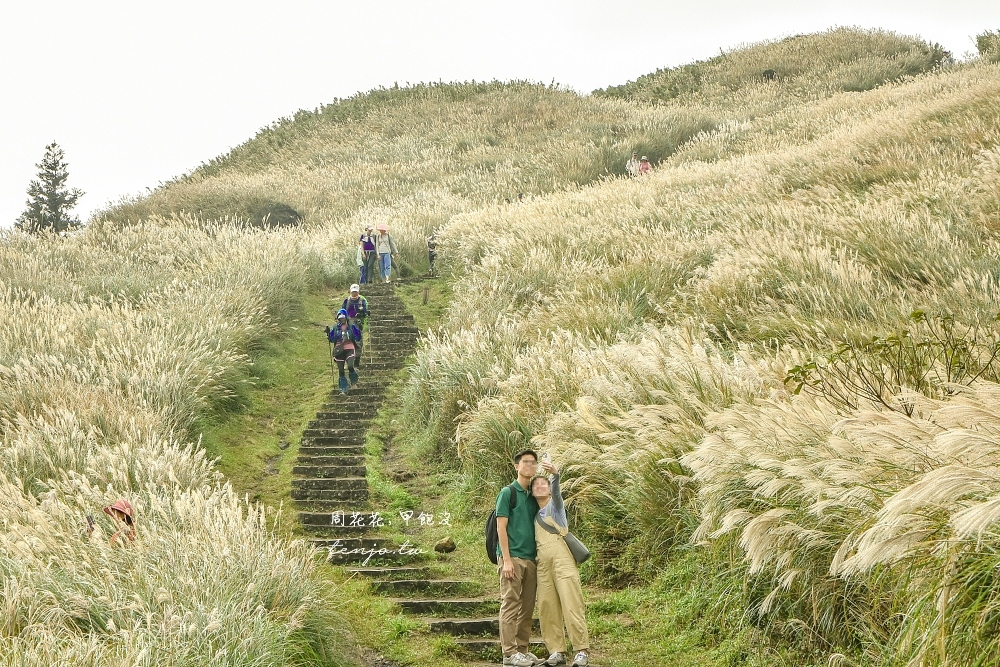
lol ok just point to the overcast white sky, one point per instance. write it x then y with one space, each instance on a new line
138 92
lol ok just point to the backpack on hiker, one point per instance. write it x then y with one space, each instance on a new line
492 539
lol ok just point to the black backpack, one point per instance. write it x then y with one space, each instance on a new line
492 539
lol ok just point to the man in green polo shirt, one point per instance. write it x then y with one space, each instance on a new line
516 562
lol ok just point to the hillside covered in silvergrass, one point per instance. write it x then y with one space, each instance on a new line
778 349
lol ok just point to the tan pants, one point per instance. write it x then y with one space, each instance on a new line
560 596
517 606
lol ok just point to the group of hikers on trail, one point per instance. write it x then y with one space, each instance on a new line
637 166
378 249
375 249
537 560
346 338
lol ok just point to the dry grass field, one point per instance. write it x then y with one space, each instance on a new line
778 347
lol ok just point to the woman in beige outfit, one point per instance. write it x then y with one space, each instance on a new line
559 594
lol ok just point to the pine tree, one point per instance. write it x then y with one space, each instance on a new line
49 200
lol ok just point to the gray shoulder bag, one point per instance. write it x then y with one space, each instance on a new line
579 550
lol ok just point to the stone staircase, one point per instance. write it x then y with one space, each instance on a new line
331 491
329 485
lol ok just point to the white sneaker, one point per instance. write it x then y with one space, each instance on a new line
556 659
581 660
519 660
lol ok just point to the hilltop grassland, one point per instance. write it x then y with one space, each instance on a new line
414 158
779 347
839 60
646 332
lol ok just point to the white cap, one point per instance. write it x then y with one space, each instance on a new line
355 287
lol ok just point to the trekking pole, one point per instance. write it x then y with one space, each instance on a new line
333 369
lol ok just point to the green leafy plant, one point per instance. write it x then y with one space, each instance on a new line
930 357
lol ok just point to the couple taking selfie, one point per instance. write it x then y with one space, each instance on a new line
537 556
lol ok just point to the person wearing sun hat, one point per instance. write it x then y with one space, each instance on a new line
123 512
385 247
644 165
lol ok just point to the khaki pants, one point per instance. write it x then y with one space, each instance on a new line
560 596
517 605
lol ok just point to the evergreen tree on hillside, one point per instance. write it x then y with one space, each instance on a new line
49 200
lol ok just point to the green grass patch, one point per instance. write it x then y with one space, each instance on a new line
426 300
257 444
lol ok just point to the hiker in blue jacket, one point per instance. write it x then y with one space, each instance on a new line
344 337
357 314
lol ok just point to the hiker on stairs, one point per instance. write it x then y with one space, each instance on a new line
385 247
345 338
357 314
368 255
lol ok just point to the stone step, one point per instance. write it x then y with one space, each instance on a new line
365 409
342 429
336 483
329 506
468 626
453 606
371 379
342 426
394 327
315 434
389 572
439 586
320 495
338 402
329 447
330 460
329 472
341 532
362 389
337 426
359 395
326 519
357 415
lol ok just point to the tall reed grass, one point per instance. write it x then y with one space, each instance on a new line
115 341
642 330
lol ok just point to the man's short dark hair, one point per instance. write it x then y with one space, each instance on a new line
517 457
